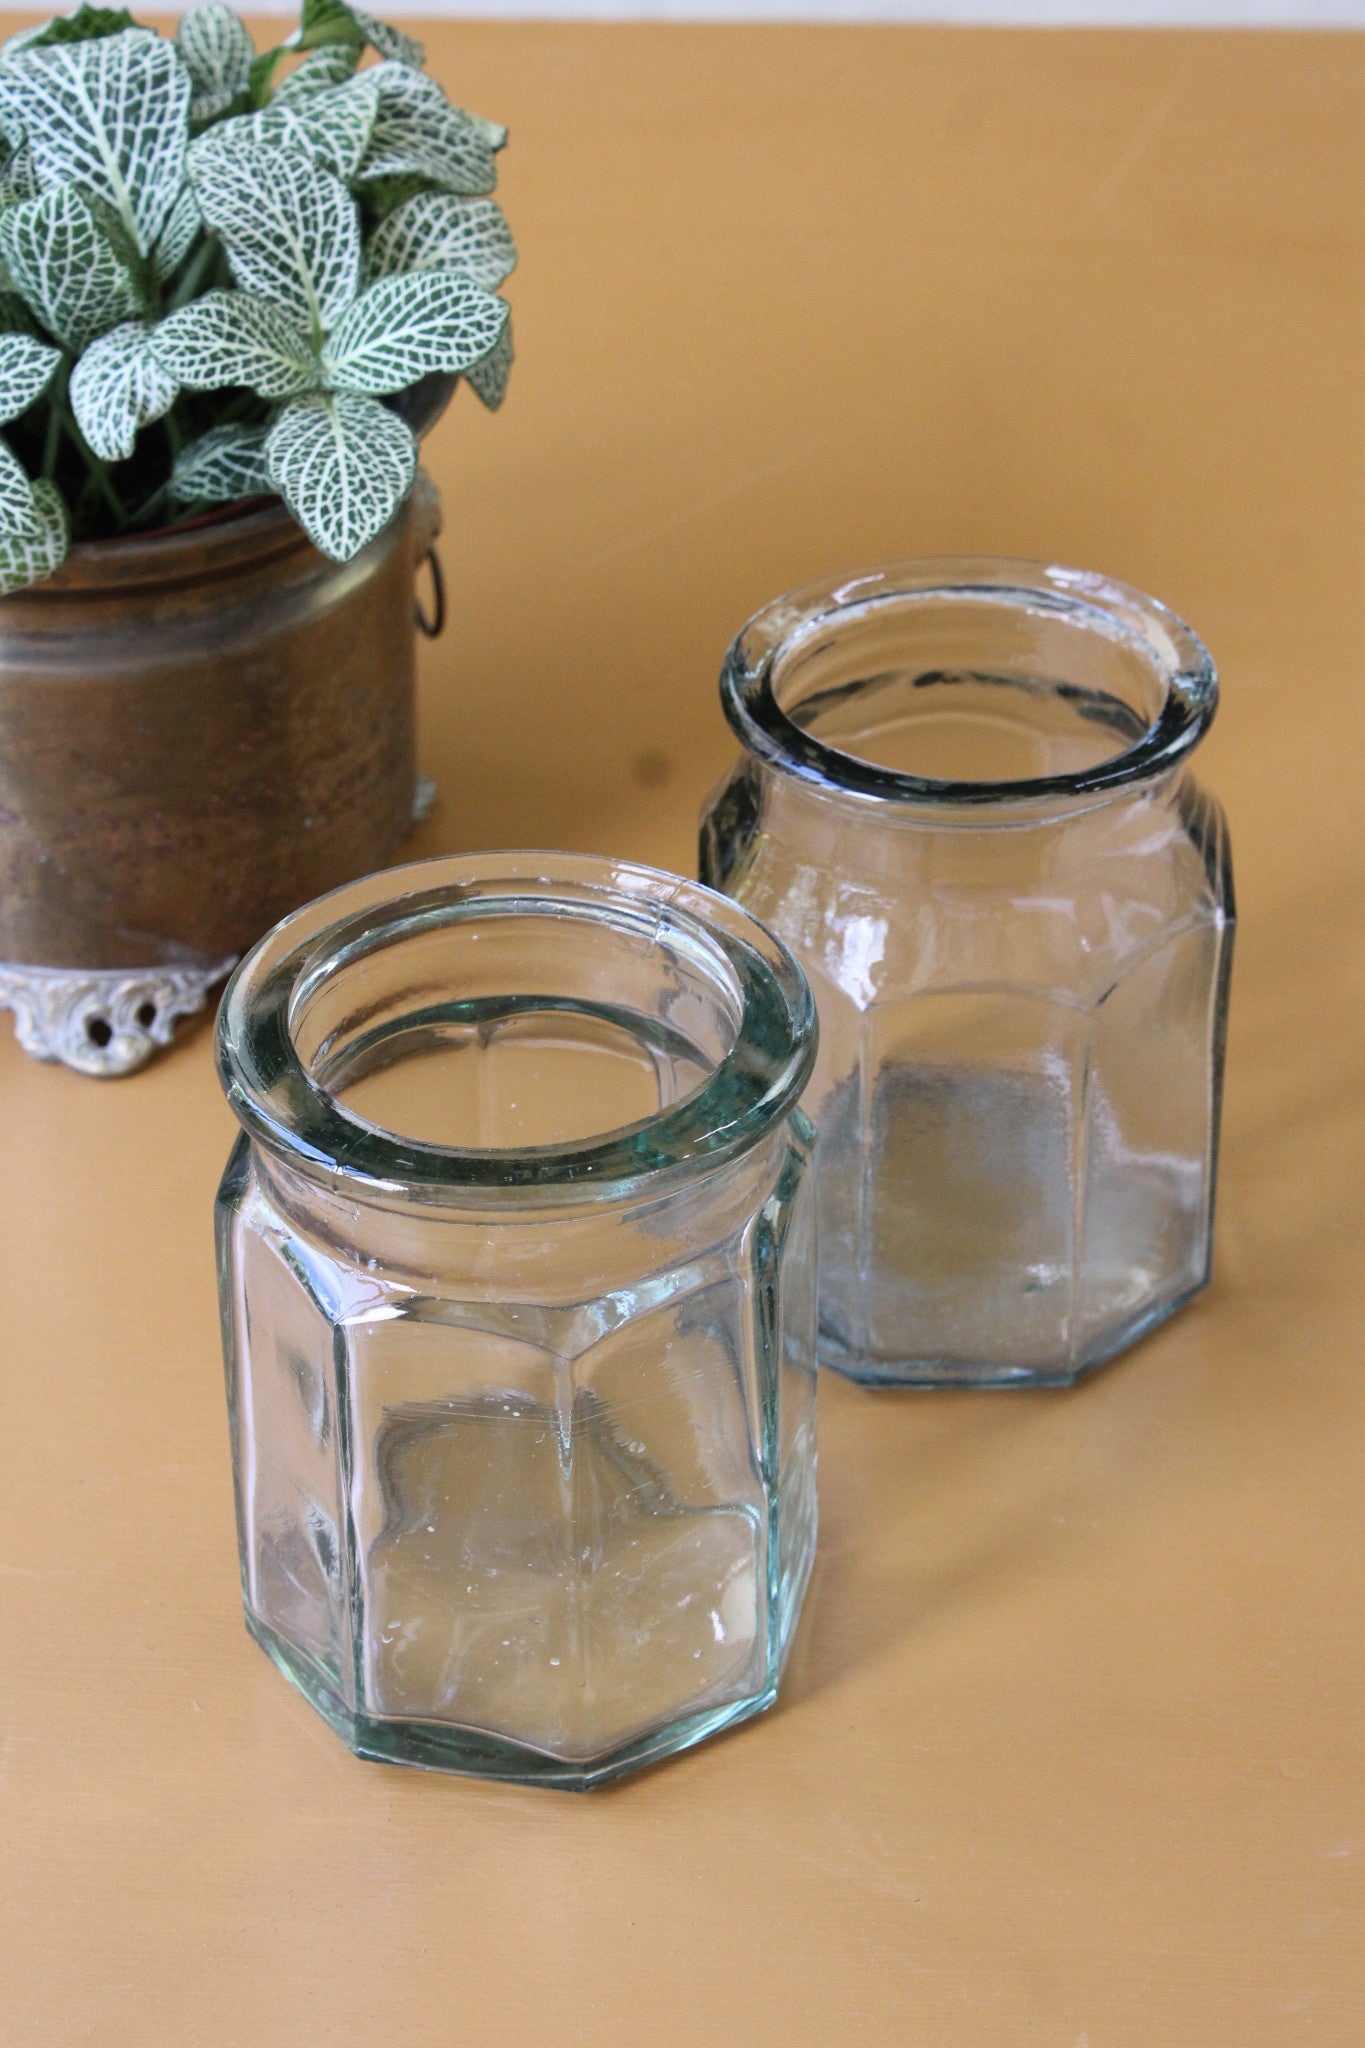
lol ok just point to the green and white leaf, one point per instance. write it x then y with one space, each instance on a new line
437 231
331 126
21 39
333 64
328 126
328 23
29 557
291 230
218 54
110 115
343 465
418 130
60 259
323 22
176 239
18 513
389 42
26 368
488 379
80 27
118 386
384 196
403 328
235 338
19 180
226 463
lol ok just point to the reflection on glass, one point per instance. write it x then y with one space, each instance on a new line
518 1278
966 806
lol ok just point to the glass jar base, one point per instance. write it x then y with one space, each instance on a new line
929 1373
472 1752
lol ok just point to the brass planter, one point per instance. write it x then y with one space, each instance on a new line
199 730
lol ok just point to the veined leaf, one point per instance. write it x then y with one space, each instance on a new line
218 54
329 23
26 368
262 73
437 231
235 338
61 261
383 196
111 115
343 465
291 230
417 129
326 21
18 513
22 38
19 180
173 244
29 557
80 27
404 327
112 226
389 42
226 463
333 64
118 386
488 379
329 126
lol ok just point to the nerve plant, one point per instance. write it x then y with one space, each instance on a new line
216 267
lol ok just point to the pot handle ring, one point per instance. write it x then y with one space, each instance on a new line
426 527
434 626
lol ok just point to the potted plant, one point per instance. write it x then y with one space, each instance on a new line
234 291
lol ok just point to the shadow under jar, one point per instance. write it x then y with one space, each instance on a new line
965 805
516 1262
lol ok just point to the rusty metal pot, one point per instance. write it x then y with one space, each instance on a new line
199 730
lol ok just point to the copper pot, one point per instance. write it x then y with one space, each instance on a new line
199 730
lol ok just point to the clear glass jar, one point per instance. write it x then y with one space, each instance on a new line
965 804
517 1278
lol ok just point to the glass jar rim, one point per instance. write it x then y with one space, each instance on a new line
1179 660
280 1103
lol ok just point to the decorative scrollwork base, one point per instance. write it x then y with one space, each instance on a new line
103 1021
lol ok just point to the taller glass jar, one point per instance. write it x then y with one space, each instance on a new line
517 1278
966 806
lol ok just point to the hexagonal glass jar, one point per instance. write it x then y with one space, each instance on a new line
966 806
517 1278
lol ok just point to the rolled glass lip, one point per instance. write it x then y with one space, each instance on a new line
1179 660
280 1103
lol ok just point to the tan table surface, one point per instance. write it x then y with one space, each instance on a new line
1072 1752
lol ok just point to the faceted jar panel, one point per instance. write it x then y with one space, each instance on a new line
282 1402
544 1540
964 805
1015 1179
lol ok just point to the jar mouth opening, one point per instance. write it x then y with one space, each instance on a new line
969 683
497 1027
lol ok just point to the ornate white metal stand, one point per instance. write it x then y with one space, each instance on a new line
103 1021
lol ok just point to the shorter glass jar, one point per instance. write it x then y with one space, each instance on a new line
517 1273
965 804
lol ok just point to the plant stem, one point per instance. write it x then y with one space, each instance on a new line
97 473
146 511
104 485
189 284
57 401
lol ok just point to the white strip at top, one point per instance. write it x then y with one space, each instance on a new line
1268 14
